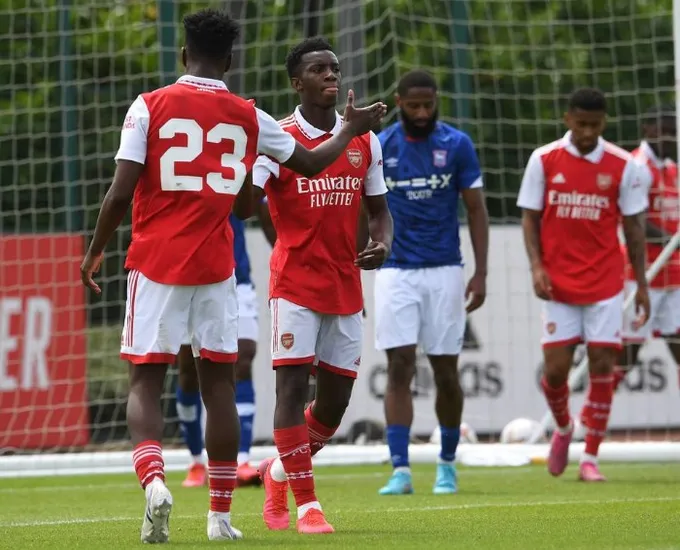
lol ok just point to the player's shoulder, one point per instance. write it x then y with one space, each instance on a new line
614 151
288 124
389 133
551 148
448 136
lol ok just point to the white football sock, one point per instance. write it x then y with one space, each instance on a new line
302 510
277 471
585 457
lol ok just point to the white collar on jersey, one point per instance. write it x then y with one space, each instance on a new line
594 156
311 132
648 152
199 81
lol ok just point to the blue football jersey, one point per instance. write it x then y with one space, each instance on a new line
424 179
240 252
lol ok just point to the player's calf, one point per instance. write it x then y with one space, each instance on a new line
221 436
189 412
401 368
598 404
291 435
558 359
145 422
449 409
245 406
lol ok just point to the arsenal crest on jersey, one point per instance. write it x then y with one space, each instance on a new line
439 158
355 157
604 181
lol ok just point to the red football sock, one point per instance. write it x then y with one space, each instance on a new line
558 401
294 451
597 407
318 433
222 480
619 374
148 460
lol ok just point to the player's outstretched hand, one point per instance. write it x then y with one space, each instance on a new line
642 306
542 284
361 120
373 256
89 267
475 293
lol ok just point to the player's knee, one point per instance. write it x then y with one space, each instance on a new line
292 385
401 368
447 382
244 363
601 360
627 358
333 395
187 377
557 364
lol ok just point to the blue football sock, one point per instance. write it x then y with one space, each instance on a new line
450 438
245 404
397 440
189 411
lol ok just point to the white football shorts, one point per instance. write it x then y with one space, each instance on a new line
301 335
664 319
248 328
598 324
423 307
158 318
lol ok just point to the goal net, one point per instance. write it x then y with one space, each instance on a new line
505 68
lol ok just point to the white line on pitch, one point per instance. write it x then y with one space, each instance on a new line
470 471
453 507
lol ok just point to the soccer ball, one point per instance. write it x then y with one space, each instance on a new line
520 430
467 434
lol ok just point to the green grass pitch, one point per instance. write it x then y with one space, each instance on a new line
497 508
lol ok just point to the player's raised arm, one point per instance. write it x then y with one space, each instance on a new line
130 164
245 205
266 223
380 223
472 190
280 145
633 201
530 200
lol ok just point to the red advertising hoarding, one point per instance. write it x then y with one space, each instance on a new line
43 385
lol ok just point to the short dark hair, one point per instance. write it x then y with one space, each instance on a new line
588 99
654 115
294 57
210 33
416 79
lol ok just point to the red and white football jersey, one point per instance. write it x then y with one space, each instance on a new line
582 199
197 142
664 212
316 219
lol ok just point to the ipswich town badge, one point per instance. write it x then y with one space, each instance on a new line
439 158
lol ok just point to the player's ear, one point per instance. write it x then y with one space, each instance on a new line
296 83
184 57
227 64
397 100
567 119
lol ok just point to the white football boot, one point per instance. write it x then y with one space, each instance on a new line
219 527
155 526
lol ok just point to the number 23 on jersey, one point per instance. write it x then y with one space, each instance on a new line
196 138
